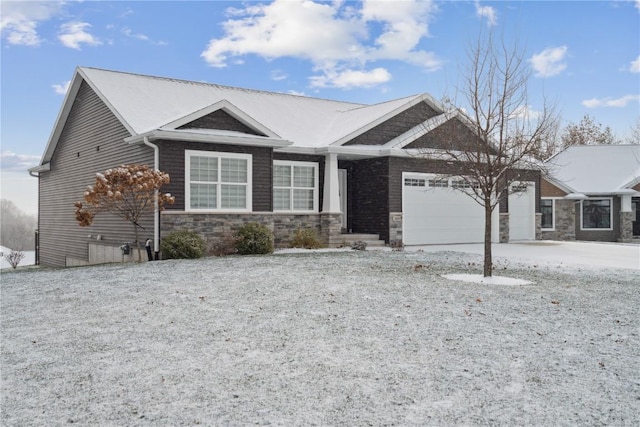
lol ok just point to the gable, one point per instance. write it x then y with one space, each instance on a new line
395 126
547 189
451 135
221 120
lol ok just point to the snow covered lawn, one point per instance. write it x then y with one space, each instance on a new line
331 338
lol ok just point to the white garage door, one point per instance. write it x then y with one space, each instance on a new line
522 211
436 213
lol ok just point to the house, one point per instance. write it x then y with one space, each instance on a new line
237 155
592 192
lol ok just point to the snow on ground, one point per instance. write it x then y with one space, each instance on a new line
333 338
29 258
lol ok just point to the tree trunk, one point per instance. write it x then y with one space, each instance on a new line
488 261
135 232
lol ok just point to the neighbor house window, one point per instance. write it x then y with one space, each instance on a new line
546 207
295 186
597 214
217 181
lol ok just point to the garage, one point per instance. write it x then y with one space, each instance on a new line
436 211
522 211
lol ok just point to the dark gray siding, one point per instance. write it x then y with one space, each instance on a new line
220 120
91 142
451 135
172 161
368 196
395 126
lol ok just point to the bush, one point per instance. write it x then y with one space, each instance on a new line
305 238
254 239
359 245
182 244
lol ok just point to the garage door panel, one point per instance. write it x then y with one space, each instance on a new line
441 215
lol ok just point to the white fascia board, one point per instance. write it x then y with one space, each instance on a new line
184 135
561 185
63 114
40 168
227 107
104 99
417 131
632 183
415 101
618 192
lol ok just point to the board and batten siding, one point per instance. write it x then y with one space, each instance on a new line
91 141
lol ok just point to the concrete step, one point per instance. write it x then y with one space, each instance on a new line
372 240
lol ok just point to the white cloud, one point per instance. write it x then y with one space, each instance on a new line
19 20
143 37
351 78
62 88
610 102
549 62
278 75
487 12
17 162
335 37
73 34
295 92
635 65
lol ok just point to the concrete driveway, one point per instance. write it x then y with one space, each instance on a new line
585 254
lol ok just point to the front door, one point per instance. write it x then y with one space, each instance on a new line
342 183
635 206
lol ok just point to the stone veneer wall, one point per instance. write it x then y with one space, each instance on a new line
626 227
538 226
395 228
565 221
504 227
218 227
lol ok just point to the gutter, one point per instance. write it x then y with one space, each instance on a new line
156 212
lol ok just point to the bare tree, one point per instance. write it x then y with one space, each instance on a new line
500 134
127 191
587 132
17 229
635 133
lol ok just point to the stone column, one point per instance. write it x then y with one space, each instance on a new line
504 227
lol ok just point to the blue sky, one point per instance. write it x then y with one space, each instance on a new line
583 55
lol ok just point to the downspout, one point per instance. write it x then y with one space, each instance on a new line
156 212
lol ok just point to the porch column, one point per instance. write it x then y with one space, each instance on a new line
625 203
331 195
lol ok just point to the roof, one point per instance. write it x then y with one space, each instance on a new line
157 106
597 169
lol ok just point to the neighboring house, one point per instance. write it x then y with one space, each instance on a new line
237 155
592 192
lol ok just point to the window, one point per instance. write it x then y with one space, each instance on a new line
596 214
217 181
546 207
295 186
414 182
438 183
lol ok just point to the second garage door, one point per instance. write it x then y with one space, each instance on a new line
435 212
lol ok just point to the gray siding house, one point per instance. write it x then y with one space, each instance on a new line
237 155
592 193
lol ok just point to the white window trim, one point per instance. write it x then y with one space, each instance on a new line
582 228
553 214
316 188
187 179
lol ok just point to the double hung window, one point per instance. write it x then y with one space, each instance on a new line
217 181
295 186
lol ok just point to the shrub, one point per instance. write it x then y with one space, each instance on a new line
14 258
305 238
254 239
359 245
182 244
